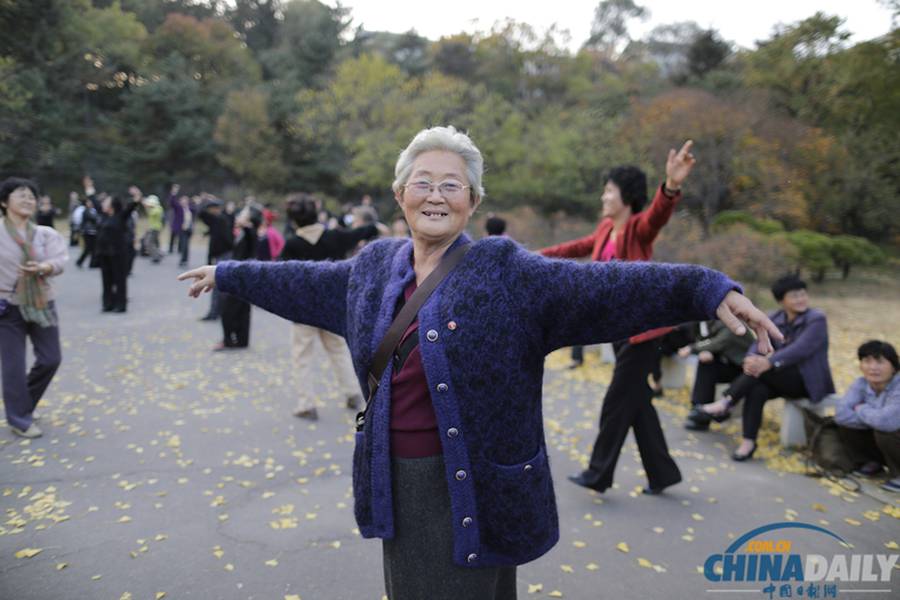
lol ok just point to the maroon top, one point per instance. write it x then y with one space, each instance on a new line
414 432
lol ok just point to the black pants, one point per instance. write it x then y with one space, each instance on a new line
781 383
114 272
172 240
235 321
89 240
708 375
184 245
627 405
864 445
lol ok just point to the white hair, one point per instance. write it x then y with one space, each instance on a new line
441 138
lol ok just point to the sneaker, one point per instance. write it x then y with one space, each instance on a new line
588 479
32 432
891 485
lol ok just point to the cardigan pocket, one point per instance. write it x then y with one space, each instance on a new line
516 505
362 505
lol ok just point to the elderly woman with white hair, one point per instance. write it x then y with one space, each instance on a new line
448 339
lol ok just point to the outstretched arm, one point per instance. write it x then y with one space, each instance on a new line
309 292
599 302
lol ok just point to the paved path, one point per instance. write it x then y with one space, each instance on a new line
170 471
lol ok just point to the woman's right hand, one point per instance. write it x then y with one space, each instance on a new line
204 280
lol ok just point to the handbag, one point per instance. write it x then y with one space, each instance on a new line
402 321
825 453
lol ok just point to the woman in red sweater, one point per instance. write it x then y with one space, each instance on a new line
627 232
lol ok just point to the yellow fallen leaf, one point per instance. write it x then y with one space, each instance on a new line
853 522
124 519
622 547
292 597
335 545
697 517
229 567
160 595
892 545
659 568
592 566
645 563
555 594
819 507
28 552
658 530
96 577
872 515
125 596
535 588
567 568
61 566
579 544
160 537
272 563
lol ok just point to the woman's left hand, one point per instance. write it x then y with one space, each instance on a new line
736 309
679 165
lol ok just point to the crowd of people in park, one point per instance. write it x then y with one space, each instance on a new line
393 313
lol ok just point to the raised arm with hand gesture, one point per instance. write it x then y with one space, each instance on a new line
679 165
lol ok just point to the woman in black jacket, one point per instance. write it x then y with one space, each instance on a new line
235 312
112 252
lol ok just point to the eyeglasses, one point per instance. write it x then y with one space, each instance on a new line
447 189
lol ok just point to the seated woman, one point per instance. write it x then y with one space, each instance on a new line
798 368
869 413
720 354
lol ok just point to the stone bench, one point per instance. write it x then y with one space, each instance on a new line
792 432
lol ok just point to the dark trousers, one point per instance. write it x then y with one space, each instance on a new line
21 391
865 445
781 383
173 239
708 375
184 245
235 321
578 354
215 300
88 251
627 405
114 272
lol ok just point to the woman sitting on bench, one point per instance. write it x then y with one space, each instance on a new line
798 368
869 414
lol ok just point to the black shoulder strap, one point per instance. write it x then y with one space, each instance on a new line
403 319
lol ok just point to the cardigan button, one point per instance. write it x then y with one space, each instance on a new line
451 325
452 432
472 558
460 475
442 387
431 335
467 521
527 468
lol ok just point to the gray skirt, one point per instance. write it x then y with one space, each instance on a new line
418 562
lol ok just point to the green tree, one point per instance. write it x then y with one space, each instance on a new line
814 252
849 251
248 145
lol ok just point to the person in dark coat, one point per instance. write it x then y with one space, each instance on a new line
450 466
235 311
112 250
798 368
221 243
90 220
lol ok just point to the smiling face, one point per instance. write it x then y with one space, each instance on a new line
613 207
21 203
795 302
435 217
